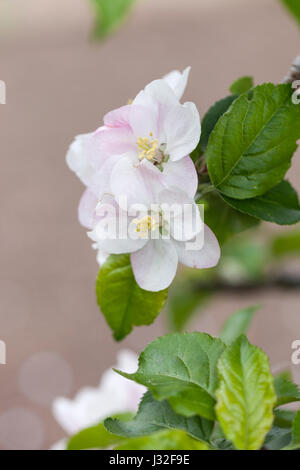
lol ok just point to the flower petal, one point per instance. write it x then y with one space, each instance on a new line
86 209
181 174
107 142
206 257
100 183
178 81
182 130
138 184
155 265
144 121
77 158
118 117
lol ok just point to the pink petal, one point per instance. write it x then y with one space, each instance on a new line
107 142
119 117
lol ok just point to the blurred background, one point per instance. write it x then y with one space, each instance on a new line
60 83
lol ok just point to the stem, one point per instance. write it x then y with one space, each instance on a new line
281 281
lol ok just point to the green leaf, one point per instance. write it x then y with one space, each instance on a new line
94 437
286 391
279 205
251 146
223 220
246 396
183 302
109 15
277 438
211 118
295 443
242 85
284 418
164 440
286 244
294 7
122 302
243 260
182 368
237 324
155 416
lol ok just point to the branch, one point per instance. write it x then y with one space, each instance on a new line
280 282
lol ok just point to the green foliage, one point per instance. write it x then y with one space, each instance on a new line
203 394
164 440
286 244
155 416
237 324
251 146
109 15
95 437
286 391
242 85
182 368
211 118
223 220
245 396
243 259
280 205
122 302
295 442
183 302
294 7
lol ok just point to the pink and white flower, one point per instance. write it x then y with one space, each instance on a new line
155 131
160 228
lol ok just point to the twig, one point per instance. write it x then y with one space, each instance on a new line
280 282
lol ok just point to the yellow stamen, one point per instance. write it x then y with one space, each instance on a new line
145 225
148 148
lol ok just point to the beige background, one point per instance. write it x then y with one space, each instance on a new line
59 84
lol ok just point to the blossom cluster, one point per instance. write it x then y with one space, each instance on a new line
139 174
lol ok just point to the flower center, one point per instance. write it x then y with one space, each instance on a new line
145 225
149 148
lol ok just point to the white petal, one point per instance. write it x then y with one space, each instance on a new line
100 183
160 91
207 257
111 233
65 413
86 209
181 174
187 224
144 121
60 445
181 212
157 92
77 158
178 81
102 257
182 130
136 184
155 265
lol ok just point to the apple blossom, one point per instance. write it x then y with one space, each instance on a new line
160 227
93 404
155 129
